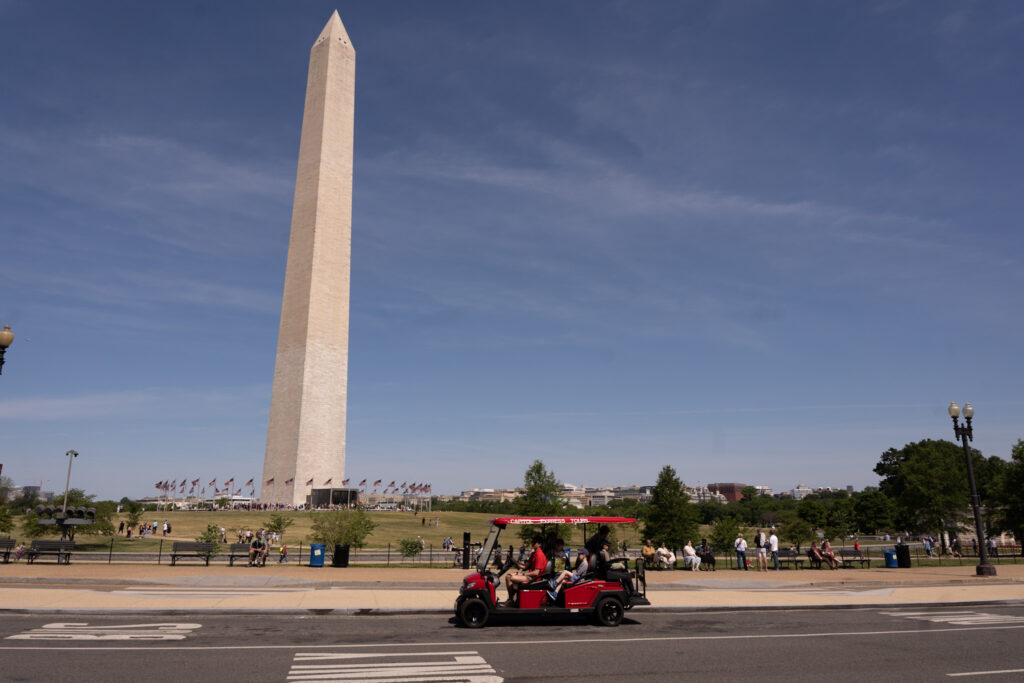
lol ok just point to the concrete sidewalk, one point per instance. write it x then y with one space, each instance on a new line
293 588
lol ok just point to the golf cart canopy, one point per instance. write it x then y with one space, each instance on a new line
504 521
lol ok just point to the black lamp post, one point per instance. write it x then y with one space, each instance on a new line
964 434
6 339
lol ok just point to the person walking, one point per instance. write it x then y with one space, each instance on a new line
741 551
773 548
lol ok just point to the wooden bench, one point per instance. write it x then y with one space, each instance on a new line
62 549
791 556
238 550
6 546
202 551
852 556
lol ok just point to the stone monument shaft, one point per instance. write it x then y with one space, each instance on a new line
306 430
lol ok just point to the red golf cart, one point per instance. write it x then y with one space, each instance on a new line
604 595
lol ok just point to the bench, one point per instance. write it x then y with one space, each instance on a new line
791 556
852 556
6 546
203 551
238 550
62 549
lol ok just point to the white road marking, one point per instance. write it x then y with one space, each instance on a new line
960 618
82 631
988 673
466 666
552 641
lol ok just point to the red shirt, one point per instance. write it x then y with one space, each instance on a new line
538 562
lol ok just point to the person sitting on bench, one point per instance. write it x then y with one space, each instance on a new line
666 558
690 558
257 551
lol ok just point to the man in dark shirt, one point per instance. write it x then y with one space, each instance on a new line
257 551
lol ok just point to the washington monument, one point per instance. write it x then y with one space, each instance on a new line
306 431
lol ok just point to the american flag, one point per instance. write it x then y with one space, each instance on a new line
362 483
249 483
213 484
377 483
328 482
182 484
230 481
289 481
195 482
158 485
391 484
309 482
270 481
344 482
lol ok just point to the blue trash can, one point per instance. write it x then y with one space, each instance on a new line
890 559
316 555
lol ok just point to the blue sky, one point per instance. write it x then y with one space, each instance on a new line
760 242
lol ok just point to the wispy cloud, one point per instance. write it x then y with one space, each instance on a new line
163 403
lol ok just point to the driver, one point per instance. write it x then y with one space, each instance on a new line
257 551
534 567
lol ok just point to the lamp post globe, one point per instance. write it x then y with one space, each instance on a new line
6 339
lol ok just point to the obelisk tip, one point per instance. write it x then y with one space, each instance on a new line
334 30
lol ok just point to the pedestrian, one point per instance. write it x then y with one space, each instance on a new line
761 542
223 535
741 551
165 527
282 554
773 548
120 528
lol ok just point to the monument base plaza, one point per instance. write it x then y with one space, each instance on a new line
84 587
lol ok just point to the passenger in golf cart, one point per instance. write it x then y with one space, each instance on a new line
598 584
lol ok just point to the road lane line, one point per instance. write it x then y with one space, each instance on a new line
545 641
988 673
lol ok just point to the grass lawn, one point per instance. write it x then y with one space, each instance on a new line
391 526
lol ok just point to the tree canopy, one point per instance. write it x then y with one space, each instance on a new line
670 517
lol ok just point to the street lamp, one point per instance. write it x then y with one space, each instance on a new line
6 339
964 434
71 458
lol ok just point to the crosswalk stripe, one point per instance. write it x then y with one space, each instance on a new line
466 666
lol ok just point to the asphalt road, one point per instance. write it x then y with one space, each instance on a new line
842 644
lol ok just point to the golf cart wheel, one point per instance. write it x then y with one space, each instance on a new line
473 613
609 612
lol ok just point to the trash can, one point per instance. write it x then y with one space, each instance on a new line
316 555
340 558
903 556
890 559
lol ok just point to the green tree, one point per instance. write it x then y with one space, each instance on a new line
342 527
1009 512
278 523
6 521
410 547
211 534
797 531
133 513
812 511
670 517
723 534
872 510
542 496
927 481
839 518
